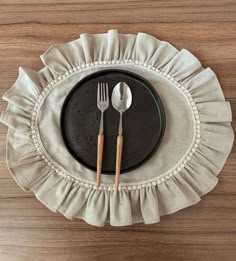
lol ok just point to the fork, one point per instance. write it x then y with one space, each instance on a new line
102 104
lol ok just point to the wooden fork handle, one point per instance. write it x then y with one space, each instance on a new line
119 147
99 157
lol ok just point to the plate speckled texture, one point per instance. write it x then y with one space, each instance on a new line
143 123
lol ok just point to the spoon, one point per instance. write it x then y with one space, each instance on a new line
121 100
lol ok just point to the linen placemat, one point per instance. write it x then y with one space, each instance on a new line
196 143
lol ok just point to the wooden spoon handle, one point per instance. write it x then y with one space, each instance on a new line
119 147
99 157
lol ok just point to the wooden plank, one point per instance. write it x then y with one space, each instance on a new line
115 12
118 245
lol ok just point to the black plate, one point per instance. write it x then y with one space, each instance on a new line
143 122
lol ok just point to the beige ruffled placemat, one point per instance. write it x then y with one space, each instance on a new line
196 144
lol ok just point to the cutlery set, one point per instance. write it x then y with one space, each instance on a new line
121 101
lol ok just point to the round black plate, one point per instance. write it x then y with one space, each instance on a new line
143 122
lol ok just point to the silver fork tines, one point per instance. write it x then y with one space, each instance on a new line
102 101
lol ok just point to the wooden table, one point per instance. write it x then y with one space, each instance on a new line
206 231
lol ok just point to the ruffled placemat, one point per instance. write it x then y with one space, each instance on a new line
196 144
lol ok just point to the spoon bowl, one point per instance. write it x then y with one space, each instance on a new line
121 97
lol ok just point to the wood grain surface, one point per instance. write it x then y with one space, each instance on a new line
206 231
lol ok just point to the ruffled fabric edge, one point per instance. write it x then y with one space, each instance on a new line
136 203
